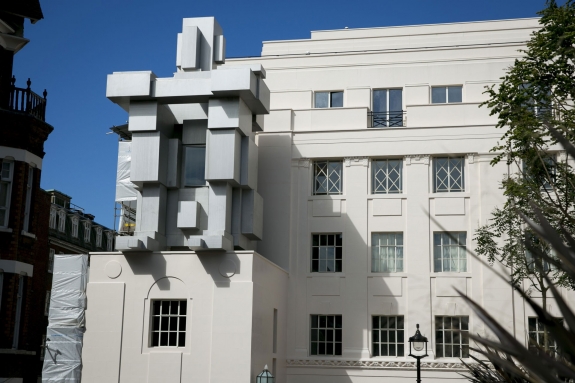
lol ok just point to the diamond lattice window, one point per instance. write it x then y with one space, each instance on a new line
449 176
386 176
327 177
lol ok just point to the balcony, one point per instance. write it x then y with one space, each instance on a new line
387 119
25 101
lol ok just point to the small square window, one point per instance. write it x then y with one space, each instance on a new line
446 94
450 252
168 323
328 99
386 252
386 176
449 174
452 336
388 336
326 335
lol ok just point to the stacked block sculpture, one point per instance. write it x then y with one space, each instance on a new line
194 158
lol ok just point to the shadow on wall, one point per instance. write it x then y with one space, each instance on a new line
140 263
221 266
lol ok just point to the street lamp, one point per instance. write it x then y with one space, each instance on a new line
418 342
265 376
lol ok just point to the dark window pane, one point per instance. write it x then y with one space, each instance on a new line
400 322
182 324
315 266
165 307
157 307
321 349
323 240
314 348
384 322
329 335
329 348
448 351
314 335
330 321
391 322
182 339
173 324
465 352
395 100
183 307
331 240
314 321
338 321
336 99
174 307
439 351
375 322
384 336
400 336
448 336
375 349
164 339
155 323
164 324
439 336
337 349
338 266
173 339
391 349
392 336
315 240
195 166
465 323
380 100
321 99
321 335
384 350
338 240
454 94
438 95
322 321
155 339
375 335
315 253
400 350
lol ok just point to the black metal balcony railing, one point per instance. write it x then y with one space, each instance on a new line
26 101
386 119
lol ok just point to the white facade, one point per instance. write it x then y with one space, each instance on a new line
404 170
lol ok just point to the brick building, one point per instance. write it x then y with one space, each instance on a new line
24 207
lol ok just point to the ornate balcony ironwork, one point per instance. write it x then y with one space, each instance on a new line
26 101
387 119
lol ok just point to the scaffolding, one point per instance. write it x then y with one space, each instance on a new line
126 192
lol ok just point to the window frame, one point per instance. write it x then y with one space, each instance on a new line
335 246
449 188
452 331
387 181
62 221
329 99
391 117
8 181
441 259
446 94
539 329
184 155
161 315
109 240
376 341
87 230
327 177
53 217
395 246
75 220
99 231
334 329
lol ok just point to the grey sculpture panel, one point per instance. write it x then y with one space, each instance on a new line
174 166
252 215
153 208
194 132
249 164
226 113
191 36
223 156
149 157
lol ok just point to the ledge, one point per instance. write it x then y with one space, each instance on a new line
16 352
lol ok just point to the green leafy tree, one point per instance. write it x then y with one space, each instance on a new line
534 105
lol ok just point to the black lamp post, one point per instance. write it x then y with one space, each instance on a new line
265 376
418 342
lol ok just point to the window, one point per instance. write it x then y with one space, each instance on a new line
326 253
168 323
62 221
543 173
28 206
87 230
328 99
537 336
98 236
446 94
387 108
326 335
47 303
386 176
449 252
75 221
386 252
5 189
195 165
51 260
449 176
327 177
19 298
53 213
109 241
452 337
387 337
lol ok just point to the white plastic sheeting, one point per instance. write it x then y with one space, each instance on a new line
125 190
66 321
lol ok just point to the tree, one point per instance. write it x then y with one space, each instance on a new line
534 104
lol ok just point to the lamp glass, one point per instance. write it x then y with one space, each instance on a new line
418 346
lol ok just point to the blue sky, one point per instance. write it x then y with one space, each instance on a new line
79 42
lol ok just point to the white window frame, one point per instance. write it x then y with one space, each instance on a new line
446 94
62 221
331 188
161 316
535 335
51 254
87 231
7 181
75 224
329 93
393 326
380 180
53 214
317 329
321 252
449 184
450 334
28 205
450 242
381 259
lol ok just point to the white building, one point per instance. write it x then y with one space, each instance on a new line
374 169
